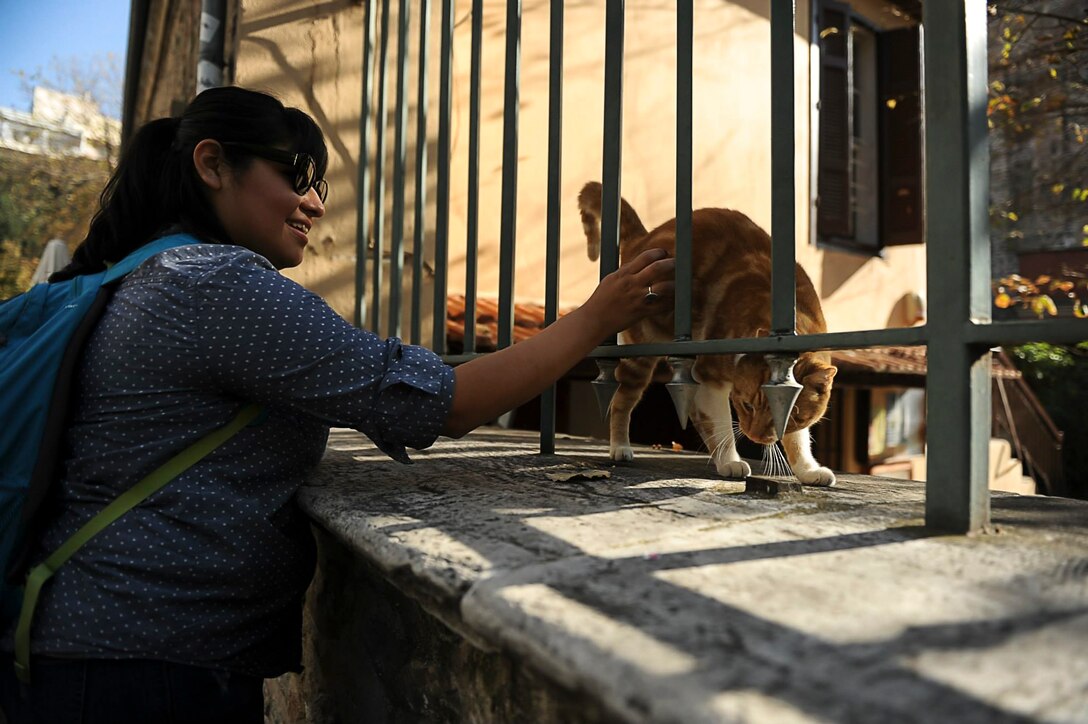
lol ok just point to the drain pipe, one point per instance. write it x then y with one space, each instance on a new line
209 67
134 56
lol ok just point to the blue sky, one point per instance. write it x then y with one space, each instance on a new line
33 32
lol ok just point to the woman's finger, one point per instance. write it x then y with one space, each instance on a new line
657 271
660 294
662 289
643 260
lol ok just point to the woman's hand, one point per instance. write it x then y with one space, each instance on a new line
643 286
489 385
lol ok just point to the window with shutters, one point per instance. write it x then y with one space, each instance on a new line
868 134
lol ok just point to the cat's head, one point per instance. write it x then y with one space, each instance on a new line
750 403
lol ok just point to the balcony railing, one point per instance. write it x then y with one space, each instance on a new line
959 333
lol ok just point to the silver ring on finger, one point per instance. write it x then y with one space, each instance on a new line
651 295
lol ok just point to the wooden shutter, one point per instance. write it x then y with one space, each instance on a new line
834 183
901 206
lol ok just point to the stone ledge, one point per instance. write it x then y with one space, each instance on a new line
668 594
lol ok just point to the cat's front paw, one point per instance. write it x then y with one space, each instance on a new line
621 453
817 476
734 469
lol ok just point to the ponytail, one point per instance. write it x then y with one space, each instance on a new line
128 201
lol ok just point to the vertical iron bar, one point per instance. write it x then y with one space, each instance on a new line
442 203
400 155
362 184
783 192
421 174
555 177
684 25
508 221
379 175
472 225
957 264
613 140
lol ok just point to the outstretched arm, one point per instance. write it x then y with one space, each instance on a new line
489 385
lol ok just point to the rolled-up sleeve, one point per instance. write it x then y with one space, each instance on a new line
267 339
414 399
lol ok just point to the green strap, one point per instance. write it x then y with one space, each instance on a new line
123 503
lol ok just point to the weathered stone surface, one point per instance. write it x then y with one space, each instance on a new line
663 593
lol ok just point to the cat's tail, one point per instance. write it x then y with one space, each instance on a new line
589 203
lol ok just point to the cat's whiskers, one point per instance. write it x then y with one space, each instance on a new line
785 471
775 463
770 462
723 441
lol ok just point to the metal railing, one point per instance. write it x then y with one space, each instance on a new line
1036 441
959 333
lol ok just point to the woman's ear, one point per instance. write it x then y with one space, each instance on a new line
209 162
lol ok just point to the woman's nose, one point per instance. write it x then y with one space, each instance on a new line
312 204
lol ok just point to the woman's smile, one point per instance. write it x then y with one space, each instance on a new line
300 229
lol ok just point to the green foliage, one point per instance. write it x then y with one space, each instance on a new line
15 270
42 198
1038 98
1057 375
12 224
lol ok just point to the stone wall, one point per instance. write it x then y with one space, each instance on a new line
373 653
489 583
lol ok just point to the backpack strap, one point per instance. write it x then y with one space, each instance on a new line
123 503
145 252
35 511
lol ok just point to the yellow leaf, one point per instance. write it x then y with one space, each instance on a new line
1003 301
1053 72
1080 311
892 103
1043 305
998 86
1057 189
1013 216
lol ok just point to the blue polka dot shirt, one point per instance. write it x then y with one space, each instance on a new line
212 569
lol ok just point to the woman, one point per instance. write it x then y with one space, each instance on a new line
178 610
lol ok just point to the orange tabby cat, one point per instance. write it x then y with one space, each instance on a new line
730 298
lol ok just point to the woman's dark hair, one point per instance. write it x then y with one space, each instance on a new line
155 186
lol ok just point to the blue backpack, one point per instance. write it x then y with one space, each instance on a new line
42 333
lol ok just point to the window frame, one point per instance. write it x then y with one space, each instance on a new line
880 197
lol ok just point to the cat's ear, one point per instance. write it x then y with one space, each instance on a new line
761 332
820 378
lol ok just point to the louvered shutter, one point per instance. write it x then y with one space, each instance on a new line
835 215
901 137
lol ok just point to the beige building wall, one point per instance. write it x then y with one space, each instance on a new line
310 54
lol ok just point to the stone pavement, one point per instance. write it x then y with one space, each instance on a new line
668 594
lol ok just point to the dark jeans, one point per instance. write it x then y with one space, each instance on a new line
96 691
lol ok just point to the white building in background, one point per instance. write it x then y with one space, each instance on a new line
60 124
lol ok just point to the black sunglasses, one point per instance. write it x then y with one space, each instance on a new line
302 164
